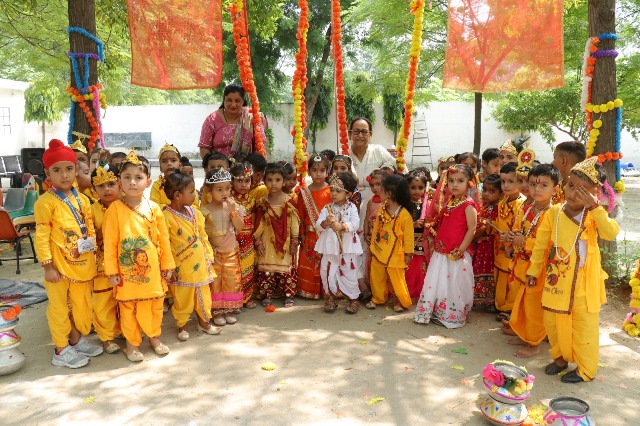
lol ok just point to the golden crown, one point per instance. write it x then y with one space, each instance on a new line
103 175
509 147
525 162
588 168
131 158
220 175
336 183
168 147
78 146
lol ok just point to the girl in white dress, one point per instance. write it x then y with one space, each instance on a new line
339 244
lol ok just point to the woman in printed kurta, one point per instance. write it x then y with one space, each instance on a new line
311 200
566 253
137 256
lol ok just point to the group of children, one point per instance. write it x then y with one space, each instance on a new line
517 238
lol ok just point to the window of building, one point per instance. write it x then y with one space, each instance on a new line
5 121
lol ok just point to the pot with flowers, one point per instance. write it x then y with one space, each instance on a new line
11 359
508 387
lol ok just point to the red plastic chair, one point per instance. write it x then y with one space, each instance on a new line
8 234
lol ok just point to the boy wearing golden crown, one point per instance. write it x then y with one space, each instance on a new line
137 258
169 158
566 250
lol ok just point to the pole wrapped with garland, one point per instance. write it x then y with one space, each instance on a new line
417 9
341 112
298 85
237 9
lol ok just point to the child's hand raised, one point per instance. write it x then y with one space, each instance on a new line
231 205
587 199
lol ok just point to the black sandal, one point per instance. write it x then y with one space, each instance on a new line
265 302
288 302
503 316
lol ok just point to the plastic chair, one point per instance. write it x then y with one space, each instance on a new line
14 199
8 234
27 209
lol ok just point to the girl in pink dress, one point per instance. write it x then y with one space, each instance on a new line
417 271
447 295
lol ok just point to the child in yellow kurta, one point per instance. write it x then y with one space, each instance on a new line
259 163
169 158
193 256
507 208
565 156
137 255
527 316
392 244
105 310
276 239
574 284
65 246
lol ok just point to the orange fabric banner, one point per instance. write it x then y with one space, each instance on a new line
176 44
504 45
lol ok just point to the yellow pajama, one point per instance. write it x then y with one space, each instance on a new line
188 299
526 317
138 317
505 290
61 295
380 278
105 310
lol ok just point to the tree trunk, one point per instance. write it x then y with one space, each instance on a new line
82 14
602 20
43 136
477 126
312 94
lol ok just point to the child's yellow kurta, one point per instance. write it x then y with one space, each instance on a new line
391 239
56 242
259 192
92 195
193 256
574 287
137 248
274 260
505 292
159 197
105 311
559 196
527 315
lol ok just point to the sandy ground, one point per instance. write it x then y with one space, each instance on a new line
328 367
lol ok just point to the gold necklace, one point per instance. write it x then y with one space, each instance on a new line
452 204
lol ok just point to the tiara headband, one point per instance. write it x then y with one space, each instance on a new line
336 183
588 168
219 176
343 158
247 171
103 175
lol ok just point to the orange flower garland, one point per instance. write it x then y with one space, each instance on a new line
81 99
298 85
609 156
417 9
243 55
341 112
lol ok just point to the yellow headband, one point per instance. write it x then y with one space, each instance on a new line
103 176
167 147
525 162
79 146
131 158
588 168
509 147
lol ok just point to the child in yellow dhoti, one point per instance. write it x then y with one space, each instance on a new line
65 245
193 256
565 156
527 316
137 255
507 208
105 310
574 285
392 244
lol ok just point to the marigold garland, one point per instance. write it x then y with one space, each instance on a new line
341 112
243 55
631 323
417 9
98 100
298 85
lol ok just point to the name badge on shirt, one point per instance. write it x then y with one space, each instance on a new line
86 245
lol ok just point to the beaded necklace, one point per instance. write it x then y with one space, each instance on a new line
385 217
453 204
575 241
535 220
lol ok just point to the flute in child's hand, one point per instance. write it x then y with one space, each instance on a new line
494 227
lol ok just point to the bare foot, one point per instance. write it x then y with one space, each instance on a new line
527 352
516 341
508 331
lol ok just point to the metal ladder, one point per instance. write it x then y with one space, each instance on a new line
421 149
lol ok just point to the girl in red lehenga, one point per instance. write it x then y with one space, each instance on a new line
311 200
417 271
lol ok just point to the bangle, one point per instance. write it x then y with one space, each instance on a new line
234 214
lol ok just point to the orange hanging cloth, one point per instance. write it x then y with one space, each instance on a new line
176 44
504 45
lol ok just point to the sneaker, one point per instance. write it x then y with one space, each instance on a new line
87 348
69 357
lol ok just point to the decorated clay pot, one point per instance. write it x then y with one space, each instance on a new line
9 339
498 413
567 411
501 394
11 361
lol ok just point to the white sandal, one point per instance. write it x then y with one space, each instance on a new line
183 336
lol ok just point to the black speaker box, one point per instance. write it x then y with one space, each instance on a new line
31 159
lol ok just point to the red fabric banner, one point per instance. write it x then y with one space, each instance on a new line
504 45
176 44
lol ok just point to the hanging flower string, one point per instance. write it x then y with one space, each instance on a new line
299 84
341 112
631 323
417 9
591 53
241 41
84 92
